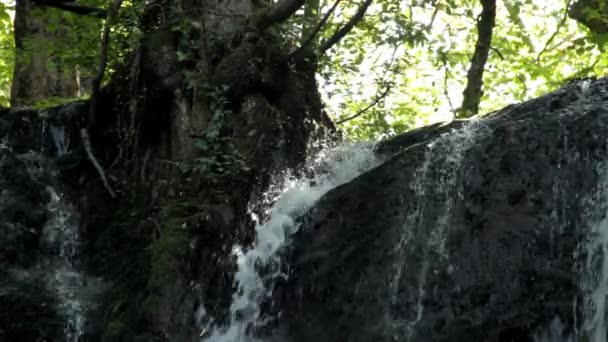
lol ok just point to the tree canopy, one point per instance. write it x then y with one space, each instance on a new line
386 65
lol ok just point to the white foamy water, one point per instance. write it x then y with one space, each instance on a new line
75 291
554 332
328 169
62 238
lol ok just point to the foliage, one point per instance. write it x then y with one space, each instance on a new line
423 49
217 154
54 101
126 35
420 49
7 53
141 253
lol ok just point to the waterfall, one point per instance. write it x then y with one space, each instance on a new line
62 240
439 177
60 139
60 264
328 169
555 332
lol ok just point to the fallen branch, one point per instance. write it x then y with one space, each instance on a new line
338 35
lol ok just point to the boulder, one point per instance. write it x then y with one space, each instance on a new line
474 231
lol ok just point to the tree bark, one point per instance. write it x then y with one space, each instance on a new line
216 107
37 74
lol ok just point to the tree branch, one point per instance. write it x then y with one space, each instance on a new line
77 9
362 111
446 70
338 35
559 26
320 25
472 93
277 13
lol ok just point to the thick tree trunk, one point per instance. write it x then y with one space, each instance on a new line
213 105
38 74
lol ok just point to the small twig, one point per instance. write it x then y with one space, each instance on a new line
524 90
320 25
368 107
446 70
429 26
498 53
338 35
555 33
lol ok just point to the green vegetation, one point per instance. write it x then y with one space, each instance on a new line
422 51
383 66
404 65
7 54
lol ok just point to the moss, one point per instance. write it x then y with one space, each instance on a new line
142 254
169 248
55 101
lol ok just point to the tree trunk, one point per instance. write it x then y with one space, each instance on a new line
213 105
38 74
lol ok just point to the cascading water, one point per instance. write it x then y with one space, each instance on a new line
62 240
329 169
439 177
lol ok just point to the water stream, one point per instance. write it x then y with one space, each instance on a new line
61 261
62 240
328 169
438 177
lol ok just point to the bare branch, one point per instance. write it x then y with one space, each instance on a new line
446 70
338 35
497 52
555 33
472 93
319 25
70 7
368 107
429 26
277 13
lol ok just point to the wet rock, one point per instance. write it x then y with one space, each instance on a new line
28 308
471 235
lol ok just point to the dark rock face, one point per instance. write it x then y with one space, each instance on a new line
474 235
28 306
